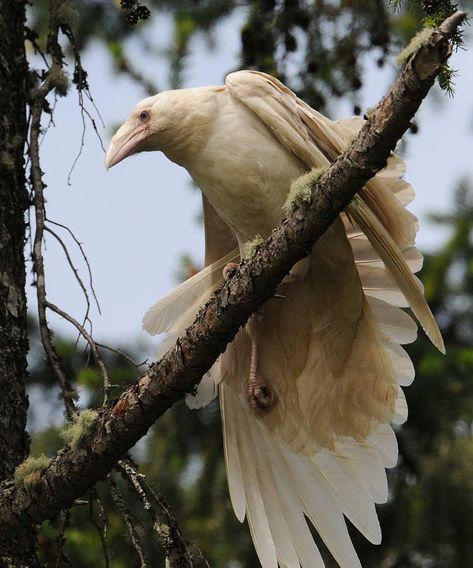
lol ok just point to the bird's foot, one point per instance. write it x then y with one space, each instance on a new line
229 270
260 396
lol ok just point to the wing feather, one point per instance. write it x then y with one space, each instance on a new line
219 238
171 313
394 261
317 141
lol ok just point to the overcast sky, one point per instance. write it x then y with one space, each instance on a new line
135 220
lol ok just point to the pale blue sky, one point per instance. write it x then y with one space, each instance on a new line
135 220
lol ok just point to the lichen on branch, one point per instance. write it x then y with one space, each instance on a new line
78 428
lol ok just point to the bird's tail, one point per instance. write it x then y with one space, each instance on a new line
278 489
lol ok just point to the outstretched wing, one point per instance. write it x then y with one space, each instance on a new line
320 454
176 311
317 141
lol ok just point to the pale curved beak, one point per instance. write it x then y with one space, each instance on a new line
125 143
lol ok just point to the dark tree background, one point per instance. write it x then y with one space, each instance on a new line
428 520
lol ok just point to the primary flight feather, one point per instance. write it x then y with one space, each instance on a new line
310 386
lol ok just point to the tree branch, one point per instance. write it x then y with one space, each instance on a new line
118 428
175 548
37 184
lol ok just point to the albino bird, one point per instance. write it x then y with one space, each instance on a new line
310 386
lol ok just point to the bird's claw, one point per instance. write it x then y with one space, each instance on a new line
260 396
229 270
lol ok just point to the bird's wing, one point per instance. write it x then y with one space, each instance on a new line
176 311
317 141
335 363
220 242
219 238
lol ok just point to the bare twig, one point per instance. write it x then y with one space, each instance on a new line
84 256
126 516
80 80
93 347
121 353
75 272
101 529
175 548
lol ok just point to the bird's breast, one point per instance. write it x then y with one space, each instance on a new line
244 172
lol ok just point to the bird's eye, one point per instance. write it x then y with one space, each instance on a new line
144 115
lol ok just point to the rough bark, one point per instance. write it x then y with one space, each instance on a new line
18 551
118 428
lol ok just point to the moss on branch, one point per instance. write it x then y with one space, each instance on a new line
29 471
79 427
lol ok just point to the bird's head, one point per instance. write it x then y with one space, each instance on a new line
141 131
175 122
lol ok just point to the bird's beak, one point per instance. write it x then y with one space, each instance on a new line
125 143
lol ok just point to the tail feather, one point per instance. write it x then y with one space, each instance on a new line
280 488
366 459
355 500
322 508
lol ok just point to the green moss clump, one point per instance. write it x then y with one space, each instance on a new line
301 189
421 38
29 472
249 248
79 427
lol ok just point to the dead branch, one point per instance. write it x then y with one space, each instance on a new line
84 256
101 529
127 519
92 345
118 428
120 352
40 217
75 272
61 559
175 548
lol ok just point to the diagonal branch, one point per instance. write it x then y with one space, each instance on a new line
118 428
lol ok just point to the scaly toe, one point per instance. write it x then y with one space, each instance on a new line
261 397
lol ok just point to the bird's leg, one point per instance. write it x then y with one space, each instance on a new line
260 396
